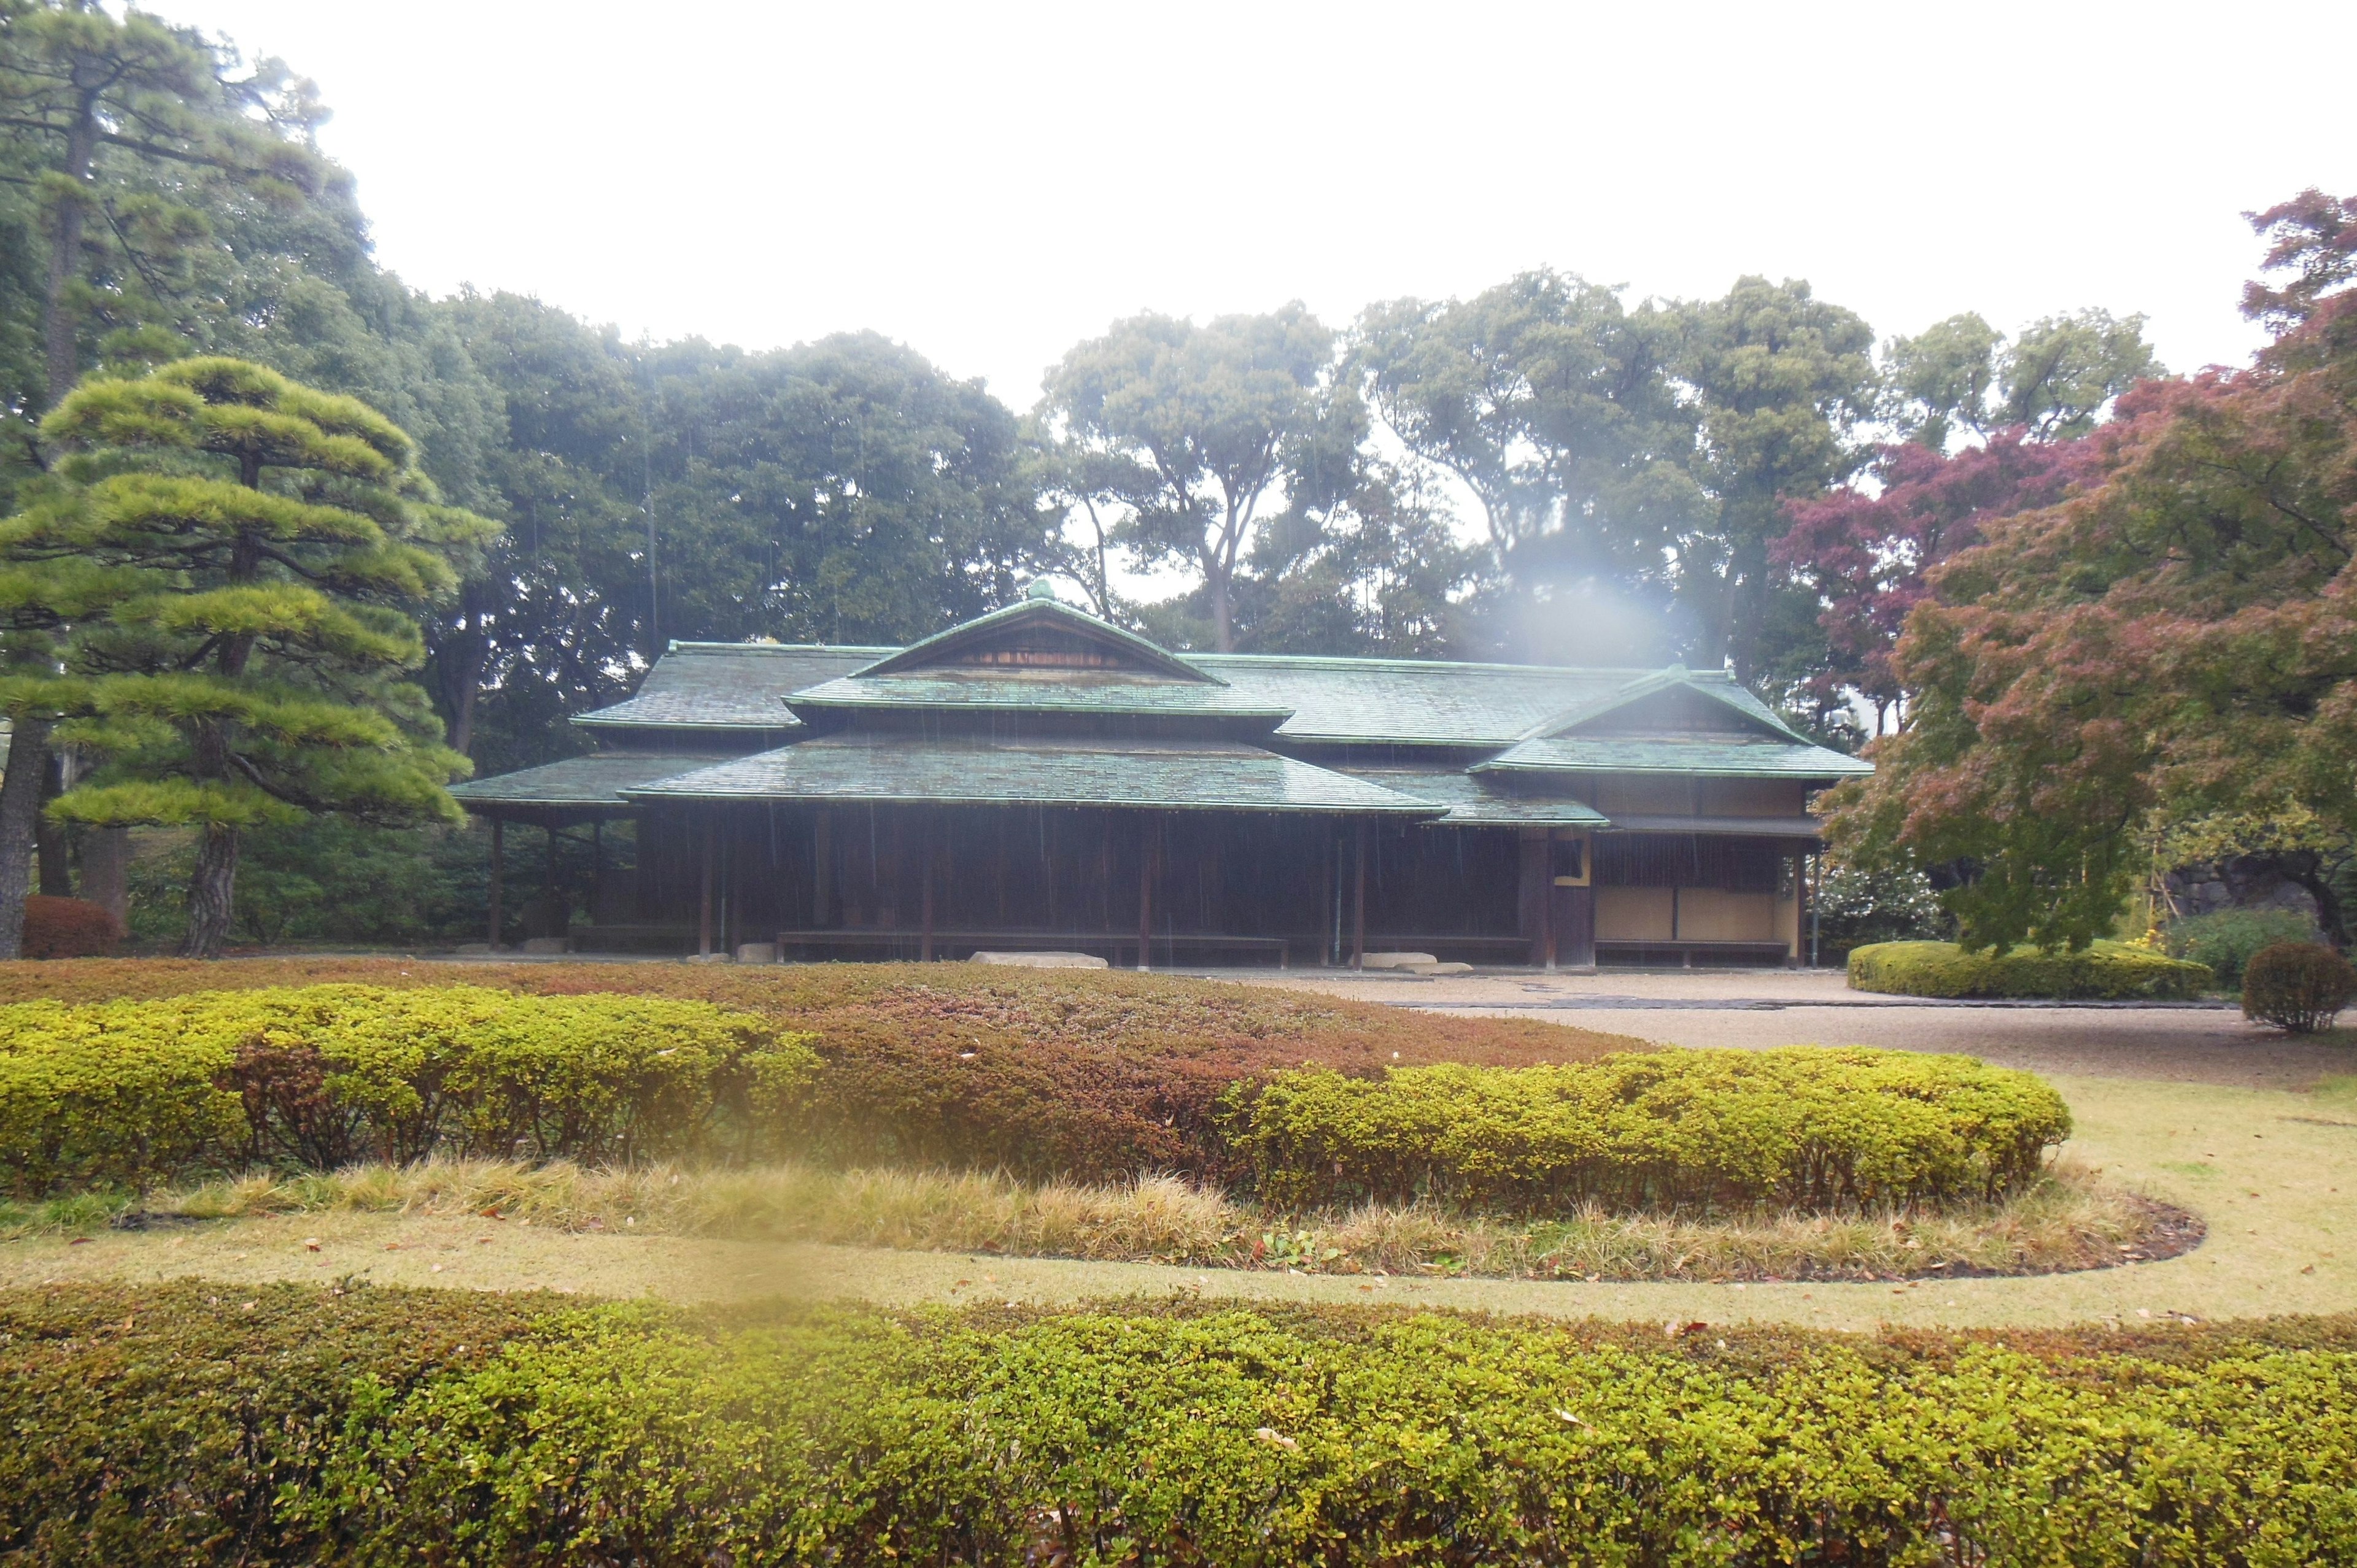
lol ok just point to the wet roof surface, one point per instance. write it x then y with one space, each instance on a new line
1159 775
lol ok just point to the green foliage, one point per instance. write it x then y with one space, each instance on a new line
2299 987
1802 1127
130 1091
2225 940
276 1425
1095 1076
2111 972
328 879
1857 904
2164 645
275 543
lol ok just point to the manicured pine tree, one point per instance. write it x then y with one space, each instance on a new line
284 542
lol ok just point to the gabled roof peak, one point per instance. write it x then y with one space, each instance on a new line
1040 633
1713 685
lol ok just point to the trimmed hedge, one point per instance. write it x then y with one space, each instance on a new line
67 928
1801 1127
196 1424
2110 972
1093 1075
130 1092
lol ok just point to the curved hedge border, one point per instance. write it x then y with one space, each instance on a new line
130 1092
1091 1075
2109 972
195 1425
1803 1127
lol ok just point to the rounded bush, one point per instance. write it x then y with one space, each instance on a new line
2299 987
1803 1127
2108 971
67 928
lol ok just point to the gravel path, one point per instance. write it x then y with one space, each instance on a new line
1753 1009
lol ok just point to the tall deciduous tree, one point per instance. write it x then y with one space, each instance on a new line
1781 378
1553 403
284 540
1209 413
2176 640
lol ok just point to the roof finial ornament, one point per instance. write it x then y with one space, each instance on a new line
1041 588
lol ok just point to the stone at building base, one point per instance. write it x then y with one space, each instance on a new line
1396 960
476 950
756 952
1042 960
1437 968
544 945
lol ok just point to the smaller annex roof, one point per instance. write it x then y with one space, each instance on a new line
1471 804
1161 775
1711 686
577 783
1704 754
729 685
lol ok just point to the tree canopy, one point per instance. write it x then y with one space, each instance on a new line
271 545
2175 639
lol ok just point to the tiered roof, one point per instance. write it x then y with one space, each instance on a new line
1040 703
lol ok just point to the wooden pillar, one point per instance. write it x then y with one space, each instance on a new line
1150 865
1327 892
925 895
1550 932
597 866
1359 901
703 898
499 866
821 867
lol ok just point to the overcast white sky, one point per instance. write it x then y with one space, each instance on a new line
991 183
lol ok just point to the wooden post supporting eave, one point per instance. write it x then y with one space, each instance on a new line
1359 902
925 895
704 900
1149 865
499 864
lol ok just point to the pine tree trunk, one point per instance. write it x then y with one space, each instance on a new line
21 810
210 890
61 362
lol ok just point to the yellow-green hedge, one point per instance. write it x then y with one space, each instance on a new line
130 1092
2108 971
210 1425
1803 1126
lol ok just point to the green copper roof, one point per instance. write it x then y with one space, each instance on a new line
1473 804
1408 701
579 780
1705 755
1714 687
729 685
1061 691
1157 775
1124 649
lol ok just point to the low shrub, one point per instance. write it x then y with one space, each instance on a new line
1095 1076
1802 1127
2299 987
67 928
2110 972
2225 940
193 1424
130 1092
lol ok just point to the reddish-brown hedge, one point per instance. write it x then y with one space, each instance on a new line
67 928
1092 1074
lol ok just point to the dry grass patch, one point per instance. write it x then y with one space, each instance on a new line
2067 1220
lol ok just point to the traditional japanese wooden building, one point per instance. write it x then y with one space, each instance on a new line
1039 779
